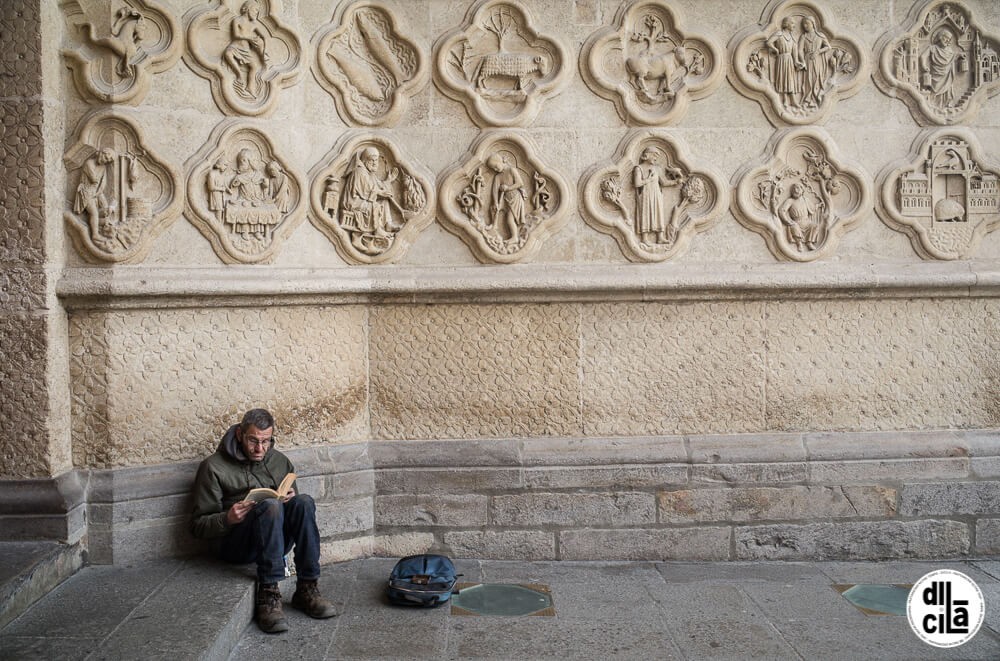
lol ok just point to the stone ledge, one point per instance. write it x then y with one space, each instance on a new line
142 287
544 496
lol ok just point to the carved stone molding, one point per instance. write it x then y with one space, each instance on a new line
943 195
499 66
122 196
796 64
800 195
119 51
648 66
242 195
370 201
502 200
245 51
367 66
939 63
650 199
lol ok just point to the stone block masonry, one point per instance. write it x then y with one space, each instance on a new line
626 280
395 498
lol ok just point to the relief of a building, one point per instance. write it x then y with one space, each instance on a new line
944 195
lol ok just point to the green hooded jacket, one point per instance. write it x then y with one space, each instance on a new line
226 477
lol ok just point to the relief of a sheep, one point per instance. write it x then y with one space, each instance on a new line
507 65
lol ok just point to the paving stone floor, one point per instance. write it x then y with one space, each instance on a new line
635 610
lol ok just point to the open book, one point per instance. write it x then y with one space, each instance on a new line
263 493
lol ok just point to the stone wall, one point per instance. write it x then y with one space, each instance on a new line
499 220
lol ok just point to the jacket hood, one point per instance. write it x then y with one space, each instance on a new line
232 447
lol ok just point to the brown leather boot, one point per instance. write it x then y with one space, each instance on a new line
308 600
270 618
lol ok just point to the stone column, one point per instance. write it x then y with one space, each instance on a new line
35 455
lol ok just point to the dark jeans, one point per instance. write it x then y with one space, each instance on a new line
268 534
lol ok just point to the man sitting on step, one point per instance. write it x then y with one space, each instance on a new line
265 531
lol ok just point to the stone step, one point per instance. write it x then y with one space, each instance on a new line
169 610
30 570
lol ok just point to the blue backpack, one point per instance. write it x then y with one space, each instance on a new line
422 580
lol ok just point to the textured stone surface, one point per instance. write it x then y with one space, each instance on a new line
22 288
786 503
618 477
639 364
567 509
502 545
644 544
986 467
21 67
345 516
305 364
950 498
442 481
988 536
868 366
845 472
746 448
450 511
23 396
755 473
403 544
474 371
662 369
861 540
25 404
22 178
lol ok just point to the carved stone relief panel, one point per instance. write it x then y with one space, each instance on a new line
499 66
22 181
943 195
119 47
650 199
646 64
502 200
122 196
245 51
800 195
796 65
370 201
367 66
242 195
939 63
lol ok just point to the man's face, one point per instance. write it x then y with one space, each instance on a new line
255 442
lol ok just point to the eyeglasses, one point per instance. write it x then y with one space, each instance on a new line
258 442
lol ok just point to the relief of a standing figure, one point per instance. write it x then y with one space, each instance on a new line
784 77
650 178
91 192
938 64
507 202
815 51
